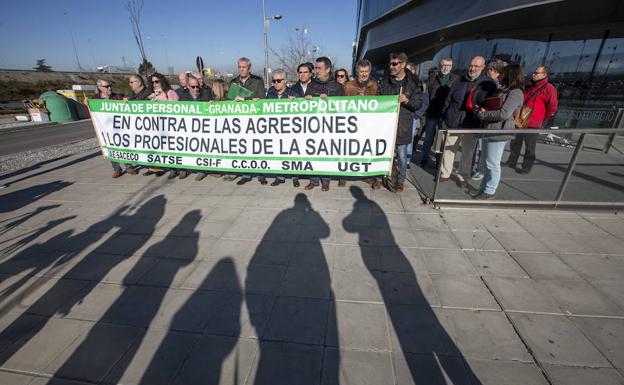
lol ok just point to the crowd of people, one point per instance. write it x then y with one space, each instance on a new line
489 95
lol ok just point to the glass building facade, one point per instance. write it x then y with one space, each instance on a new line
584 52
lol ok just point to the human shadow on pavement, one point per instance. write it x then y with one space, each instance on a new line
429 352
136 305
40 164
15 200
82 275
217 315
291 342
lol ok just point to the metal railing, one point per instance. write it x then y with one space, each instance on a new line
610 134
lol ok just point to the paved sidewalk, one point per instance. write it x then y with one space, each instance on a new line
145 280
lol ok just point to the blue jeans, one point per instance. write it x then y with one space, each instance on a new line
315 180
493 156
282 178
431 127
410 149
401 152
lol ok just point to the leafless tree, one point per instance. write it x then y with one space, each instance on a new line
298 49
135 7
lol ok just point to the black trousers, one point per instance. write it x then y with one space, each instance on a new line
530 140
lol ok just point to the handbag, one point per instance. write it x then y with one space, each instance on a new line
493 103
523 114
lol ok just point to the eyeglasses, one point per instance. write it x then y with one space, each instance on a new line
155 81
194 87
277 81
340 76
395 63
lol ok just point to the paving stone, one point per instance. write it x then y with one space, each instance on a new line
465 292
521 294
597 267
137 305
306 254
56 381
42 296
601 244
111 268
607 335
16 326
92 355
563 243
477 240
494 372
518 241
452 262
435 239
7 378
34 353
307 282
401 259
610 225
495 263
555 340
302 320
545 266
418 329
574 375
430 222
166 272
222 360
577 226
358 326
186 310
286 364
579 297
360 257
346 367
613 290
154 359
406 288
355 284
96 302
485 335
430 369
274 253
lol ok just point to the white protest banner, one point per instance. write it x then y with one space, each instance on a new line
351 136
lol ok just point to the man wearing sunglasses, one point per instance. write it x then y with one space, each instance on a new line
280 90
105 91
409 89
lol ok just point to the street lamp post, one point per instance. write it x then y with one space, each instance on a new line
266 20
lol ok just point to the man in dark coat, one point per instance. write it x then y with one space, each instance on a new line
409 89
304 72
254 84
322 86
438 86
458 111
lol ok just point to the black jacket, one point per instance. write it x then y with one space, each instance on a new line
298 89
141 95
288 92
438 93
254 83
412 88
456 115
205 95
329 88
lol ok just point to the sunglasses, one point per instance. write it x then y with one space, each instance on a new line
106 86
194 87
277 80
340 76
155 81
395 63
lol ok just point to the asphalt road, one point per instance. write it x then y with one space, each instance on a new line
14 140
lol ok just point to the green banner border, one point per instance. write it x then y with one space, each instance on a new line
243 157
250 170
387 104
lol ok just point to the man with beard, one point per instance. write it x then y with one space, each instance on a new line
362 85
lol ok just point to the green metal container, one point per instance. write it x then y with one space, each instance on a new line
61 108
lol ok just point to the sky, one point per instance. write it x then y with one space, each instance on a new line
175 32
